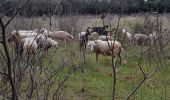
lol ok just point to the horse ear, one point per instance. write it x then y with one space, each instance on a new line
9 38
106 26
88 29
13 32
113 29
17 32
17 35
36 30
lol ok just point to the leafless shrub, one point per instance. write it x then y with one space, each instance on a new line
152 55
42 76
146 26
70 24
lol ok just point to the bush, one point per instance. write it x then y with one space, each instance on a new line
146 27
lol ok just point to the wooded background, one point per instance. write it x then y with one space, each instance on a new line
49 7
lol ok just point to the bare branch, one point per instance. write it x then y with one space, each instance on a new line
1 22
18 10
3 56
136 88
2 3
3 73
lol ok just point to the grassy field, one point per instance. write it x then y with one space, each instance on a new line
94 83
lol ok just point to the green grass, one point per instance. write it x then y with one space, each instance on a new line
95 83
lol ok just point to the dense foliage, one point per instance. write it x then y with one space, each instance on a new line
50 7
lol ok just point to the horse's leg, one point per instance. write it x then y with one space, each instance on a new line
119 56
80 47
85 46
97 55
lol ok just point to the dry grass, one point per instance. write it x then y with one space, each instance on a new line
81 21
95 83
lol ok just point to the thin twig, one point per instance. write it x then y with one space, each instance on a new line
18 10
